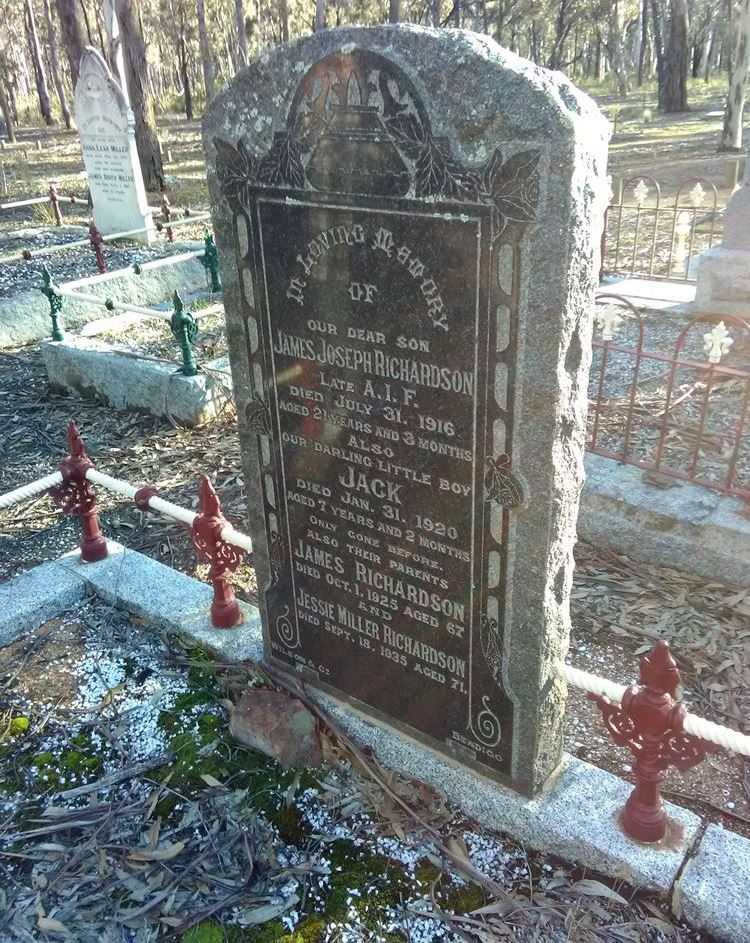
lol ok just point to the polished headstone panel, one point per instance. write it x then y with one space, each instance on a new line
106 127
409 282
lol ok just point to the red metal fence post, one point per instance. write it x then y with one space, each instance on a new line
75 496
223 557
54 200
649 723
95 238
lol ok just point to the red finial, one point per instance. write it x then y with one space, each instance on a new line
75 496
648 721
75 442
659 669
209 500
224 558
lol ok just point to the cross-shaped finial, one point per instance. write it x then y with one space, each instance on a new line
608 321
640 192
717 342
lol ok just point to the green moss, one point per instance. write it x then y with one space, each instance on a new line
204 932
380 881
292 827
309 930
19 726
462 900
426 874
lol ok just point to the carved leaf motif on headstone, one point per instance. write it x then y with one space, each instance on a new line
439 174
257 416
276 556
501 485
282 166
236 169
489 636
512 187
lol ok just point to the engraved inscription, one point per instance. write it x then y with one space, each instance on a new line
382 400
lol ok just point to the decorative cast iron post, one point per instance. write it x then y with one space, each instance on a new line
55 201
55 303
166 211
210 261
75 496
223 557
185 329
649 723
96 240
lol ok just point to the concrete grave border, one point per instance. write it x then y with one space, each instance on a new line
703 531
25 317
575 817
124 380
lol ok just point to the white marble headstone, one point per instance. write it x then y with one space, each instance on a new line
107 131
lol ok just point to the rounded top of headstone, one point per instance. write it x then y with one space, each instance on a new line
100 106
472 90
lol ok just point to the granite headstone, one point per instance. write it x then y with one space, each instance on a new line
722 285
408 223
107 131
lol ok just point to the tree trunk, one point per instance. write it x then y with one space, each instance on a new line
131 34
320 15
394 11
644 42
708 54
284 14
435 12
731 137
673 77
185 76
239 18
37 63
206 60
5 107
73 34
55 66
615 49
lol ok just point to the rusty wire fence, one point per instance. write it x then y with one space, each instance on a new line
648 236
672 397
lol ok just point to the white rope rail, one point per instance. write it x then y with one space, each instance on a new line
716 733
31 490
174 259
591 682
697 726
110 304
172 224
167 508
32 201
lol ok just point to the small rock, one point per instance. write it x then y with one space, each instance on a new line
277 725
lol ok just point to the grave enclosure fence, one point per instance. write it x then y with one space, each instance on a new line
183 324
166 219
647 236
647 718
675 404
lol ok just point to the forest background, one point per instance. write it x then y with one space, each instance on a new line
174 55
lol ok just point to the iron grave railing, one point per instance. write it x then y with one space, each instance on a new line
672 398
182 322
646 237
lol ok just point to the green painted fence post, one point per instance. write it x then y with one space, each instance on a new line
185 329
210 261
55 303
